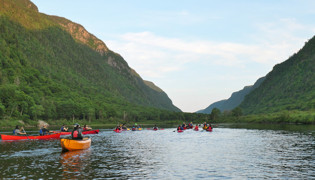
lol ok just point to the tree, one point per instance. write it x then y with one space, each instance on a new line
215 113
2 109
37 110
237 112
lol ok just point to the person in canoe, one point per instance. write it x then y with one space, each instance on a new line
86 128
190 125
180 128
184 125
209 128
44 131
123 127
155 127
118 128
196 127
63 128
77 132
205 126
133 127
18 131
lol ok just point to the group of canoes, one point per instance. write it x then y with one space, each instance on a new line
135 127
74 142
181 128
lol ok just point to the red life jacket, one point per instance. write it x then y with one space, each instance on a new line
75 134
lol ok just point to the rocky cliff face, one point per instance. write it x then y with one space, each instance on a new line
79 33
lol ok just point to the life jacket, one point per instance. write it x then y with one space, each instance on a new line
77 134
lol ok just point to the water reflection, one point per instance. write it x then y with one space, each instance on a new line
74 163
225 153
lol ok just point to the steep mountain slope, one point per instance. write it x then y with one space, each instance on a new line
53 68
289 86
235 99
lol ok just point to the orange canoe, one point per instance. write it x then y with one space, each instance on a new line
74 144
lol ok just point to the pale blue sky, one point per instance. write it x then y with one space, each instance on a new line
197 51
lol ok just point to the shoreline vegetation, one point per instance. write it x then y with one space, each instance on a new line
216 117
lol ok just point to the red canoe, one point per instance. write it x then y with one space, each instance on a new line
209 129
13 137
180 131
117 131
84 132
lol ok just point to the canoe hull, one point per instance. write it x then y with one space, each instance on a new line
73 145
14 138
84 132
91 132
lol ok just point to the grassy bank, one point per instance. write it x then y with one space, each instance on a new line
286 117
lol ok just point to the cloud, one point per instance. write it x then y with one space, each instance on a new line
154 56
226 65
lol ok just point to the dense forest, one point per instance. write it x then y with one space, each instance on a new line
47 74
289 86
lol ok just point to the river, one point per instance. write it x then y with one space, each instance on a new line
229 152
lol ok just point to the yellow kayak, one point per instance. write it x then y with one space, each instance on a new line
74 144
139 129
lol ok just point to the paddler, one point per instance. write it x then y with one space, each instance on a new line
18 131
155 127
209 127
196 127
205 126
123 127
190 125
63 128
184 125
77 132
86 128
118 128
44 130
179 128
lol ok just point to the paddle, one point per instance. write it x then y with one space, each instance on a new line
25 133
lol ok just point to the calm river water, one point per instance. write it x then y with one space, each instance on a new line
229 152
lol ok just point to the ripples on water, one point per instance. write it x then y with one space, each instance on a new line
224 153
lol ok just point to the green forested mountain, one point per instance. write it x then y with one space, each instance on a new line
289 86
235 99
52 68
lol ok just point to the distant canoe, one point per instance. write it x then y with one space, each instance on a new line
23 137
84 132
75 144
117 131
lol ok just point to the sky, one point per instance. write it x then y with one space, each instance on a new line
197 51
